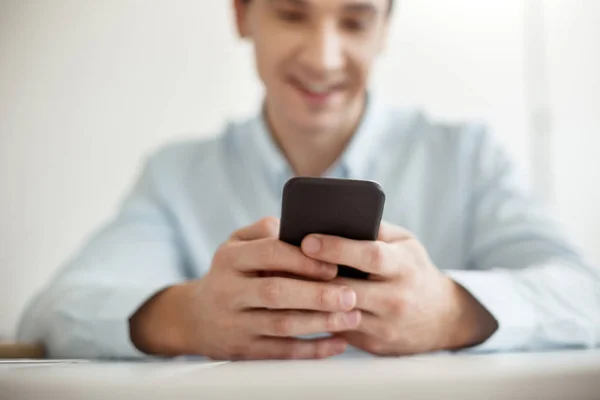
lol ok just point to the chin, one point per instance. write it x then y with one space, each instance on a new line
317 124
317 121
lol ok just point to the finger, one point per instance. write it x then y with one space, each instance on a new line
296 349
291 294
265 228
389 233
373 257
298 323
372 297
375 326
378 336
368 343
273 255
269 274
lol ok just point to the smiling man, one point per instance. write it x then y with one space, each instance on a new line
192 263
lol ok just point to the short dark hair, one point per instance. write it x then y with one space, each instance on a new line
391 4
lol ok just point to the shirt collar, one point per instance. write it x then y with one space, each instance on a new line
354 162
360 152
269 154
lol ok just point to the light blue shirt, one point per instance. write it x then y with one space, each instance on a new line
451 185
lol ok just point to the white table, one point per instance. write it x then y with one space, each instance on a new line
564 375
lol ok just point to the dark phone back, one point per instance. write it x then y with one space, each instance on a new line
339 207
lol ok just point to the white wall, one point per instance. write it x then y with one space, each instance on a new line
573 29
88 87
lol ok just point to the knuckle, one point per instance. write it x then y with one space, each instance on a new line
283 326
223 256
377 256
270 252
332 322
397 304
235 235
269 227
270 292
388 334
325 298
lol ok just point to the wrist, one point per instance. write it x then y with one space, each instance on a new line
157 327
472 324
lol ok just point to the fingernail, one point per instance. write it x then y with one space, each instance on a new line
311 245
353 318
348 299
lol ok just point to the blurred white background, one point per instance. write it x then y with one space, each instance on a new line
88 88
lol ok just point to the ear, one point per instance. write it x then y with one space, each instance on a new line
241 17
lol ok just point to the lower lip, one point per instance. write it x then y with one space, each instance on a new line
316 98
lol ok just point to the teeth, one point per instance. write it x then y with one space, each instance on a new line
317 88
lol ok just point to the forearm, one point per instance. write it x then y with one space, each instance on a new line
158 327
470 323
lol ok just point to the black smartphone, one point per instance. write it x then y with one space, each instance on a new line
340 207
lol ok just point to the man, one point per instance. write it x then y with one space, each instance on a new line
464 261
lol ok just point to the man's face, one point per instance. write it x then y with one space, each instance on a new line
314 56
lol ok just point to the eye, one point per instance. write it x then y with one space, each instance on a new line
292 16
355 25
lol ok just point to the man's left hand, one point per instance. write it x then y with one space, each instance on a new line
408 305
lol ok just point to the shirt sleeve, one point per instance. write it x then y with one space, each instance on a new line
84 311
521 267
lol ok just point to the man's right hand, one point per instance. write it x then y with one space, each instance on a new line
245 307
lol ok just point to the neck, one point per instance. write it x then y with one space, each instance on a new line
311 153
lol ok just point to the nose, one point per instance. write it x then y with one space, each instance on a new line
323 51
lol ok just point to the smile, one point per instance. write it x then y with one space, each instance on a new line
317 88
